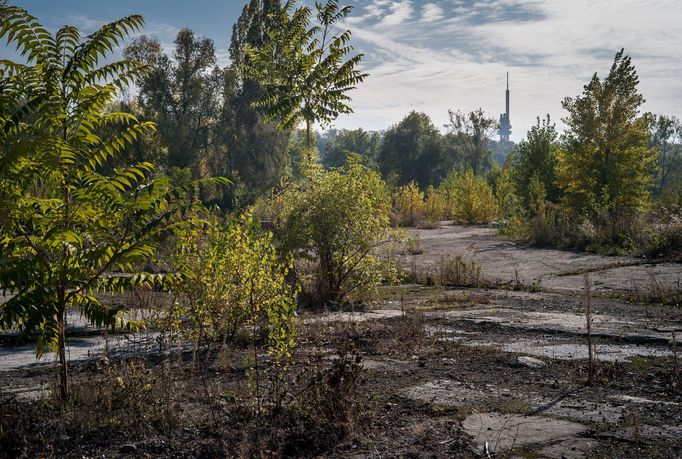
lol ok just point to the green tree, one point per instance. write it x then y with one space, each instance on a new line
346 142
413 149
666 137
257 150
536 156
468 137
606 158
183 95
67 226
303 69
339 219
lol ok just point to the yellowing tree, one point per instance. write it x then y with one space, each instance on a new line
606 159
409 202
470 197
232 279
435 207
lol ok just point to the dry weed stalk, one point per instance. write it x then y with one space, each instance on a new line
588 316
676 362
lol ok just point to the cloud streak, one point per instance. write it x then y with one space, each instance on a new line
455 53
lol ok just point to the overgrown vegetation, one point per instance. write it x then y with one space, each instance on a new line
232 282
69 228
338 220
105 196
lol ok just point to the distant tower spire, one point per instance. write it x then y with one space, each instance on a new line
505 124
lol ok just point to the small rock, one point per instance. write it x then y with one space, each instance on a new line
528 362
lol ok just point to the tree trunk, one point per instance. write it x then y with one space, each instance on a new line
308 142
61 350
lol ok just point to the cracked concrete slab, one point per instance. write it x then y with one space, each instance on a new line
503 432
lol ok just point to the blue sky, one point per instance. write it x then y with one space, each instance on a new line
435 55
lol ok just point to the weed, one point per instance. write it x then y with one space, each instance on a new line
458 272
412 246
515 406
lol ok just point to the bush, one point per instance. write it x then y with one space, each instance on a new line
435 207
338 220
232 278
469 196
456 271
409 204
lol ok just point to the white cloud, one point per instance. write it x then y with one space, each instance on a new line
399 12
431 12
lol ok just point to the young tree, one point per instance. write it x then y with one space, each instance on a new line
606 158
232 278
469 197
469 136
66 226
303 69
412 150
537 156
409 203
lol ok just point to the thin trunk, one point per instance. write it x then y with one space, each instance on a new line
308 141
61 350
255 347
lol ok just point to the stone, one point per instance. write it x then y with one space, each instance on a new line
528 362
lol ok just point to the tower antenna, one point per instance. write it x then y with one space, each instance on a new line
505 124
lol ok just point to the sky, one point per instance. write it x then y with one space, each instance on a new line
436 55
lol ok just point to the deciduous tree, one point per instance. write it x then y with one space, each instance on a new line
666 137
606 157
256 149
468 138
182 95
67 226
304 69
346 142
537 156
413 149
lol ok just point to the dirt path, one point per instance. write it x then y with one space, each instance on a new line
503 261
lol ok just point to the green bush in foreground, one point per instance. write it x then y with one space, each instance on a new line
66 225
232 280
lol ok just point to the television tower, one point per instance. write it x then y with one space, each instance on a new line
505 125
